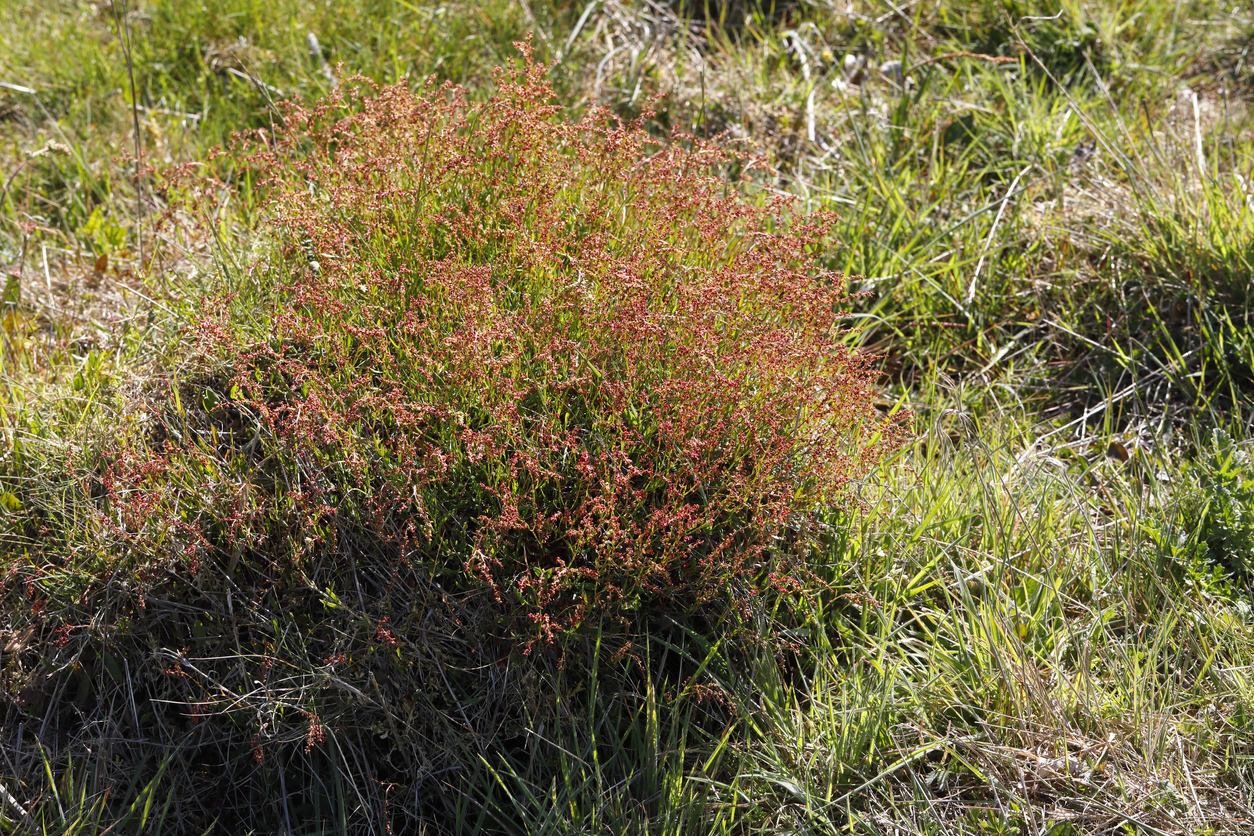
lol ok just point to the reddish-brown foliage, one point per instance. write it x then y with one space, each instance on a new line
558 360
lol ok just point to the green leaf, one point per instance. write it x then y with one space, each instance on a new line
12 292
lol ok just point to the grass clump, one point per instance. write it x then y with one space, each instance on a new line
558 358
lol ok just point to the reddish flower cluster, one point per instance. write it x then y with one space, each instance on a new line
316 737
566 361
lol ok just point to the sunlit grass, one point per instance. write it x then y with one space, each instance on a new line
1035 619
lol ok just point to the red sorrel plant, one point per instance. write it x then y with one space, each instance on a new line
558 361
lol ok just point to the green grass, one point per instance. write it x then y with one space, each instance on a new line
1035 619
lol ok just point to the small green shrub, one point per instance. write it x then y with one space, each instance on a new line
1224 513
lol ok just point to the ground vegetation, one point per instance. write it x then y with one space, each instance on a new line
530 416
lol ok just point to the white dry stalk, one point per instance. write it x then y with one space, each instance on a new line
799 48
1197 135
13 802
583 18
988 242
596 87
315 52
